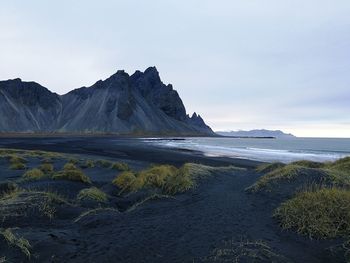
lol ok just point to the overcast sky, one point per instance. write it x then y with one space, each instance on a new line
274 64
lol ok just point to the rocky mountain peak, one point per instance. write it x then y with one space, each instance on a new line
139 103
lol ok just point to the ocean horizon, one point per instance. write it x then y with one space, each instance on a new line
284 150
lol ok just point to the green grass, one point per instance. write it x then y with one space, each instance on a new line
17 163
335 173
17 159
126 181
7 188
92 193
120 166
46 168
88 164
72 173
104 163
17 166
287 172
8 153
324 213
308 164
166 178
17 242
73 161
22 203
269 167
34 174
69 166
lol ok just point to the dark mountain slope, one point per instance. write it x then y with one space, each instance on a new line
122 104
27 107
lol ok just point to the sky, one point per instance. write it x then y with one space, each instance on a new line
240 64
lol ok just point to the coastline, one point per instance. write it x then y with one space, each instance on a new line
130 148
145 225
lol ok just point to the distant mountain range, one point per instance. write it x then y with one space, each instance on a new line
139 104
256 133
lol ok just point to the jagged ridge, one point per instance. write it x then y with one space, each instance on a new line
122 104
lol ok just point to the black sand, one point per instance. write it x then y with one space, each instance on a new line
183 228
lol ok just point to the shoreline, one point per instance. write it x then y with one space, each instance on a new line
122 148
98 213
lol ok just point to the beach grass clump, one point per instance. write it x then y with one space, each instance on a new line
104 163
18 166
17 159
287 172
17 162
7 188
160 177
92 193
72 173
332 174
18 242
166 178
340 166
308 164
6 153
34 174
73 161
46 168
22 204
69 166
120 166
324 213
179 182
88 164
127 181
42 154
269 167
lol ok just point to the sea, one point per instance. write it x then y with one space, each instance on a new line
284 150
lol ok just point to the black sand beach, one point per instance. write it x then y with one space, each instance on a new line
186 227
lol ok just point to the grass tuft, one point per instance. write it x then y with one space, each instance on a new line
287 172
120 166
92 193
88 164
104 163
8 188
73 161
15 241
269 167
166 178
72 173
46 168
334 173
17 162
34 174
126 181
308 164
324 213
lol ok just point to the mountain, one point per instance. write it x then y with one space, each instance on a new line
122 104
256 133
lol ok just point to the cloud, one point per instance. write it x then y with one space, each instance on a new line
239 63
